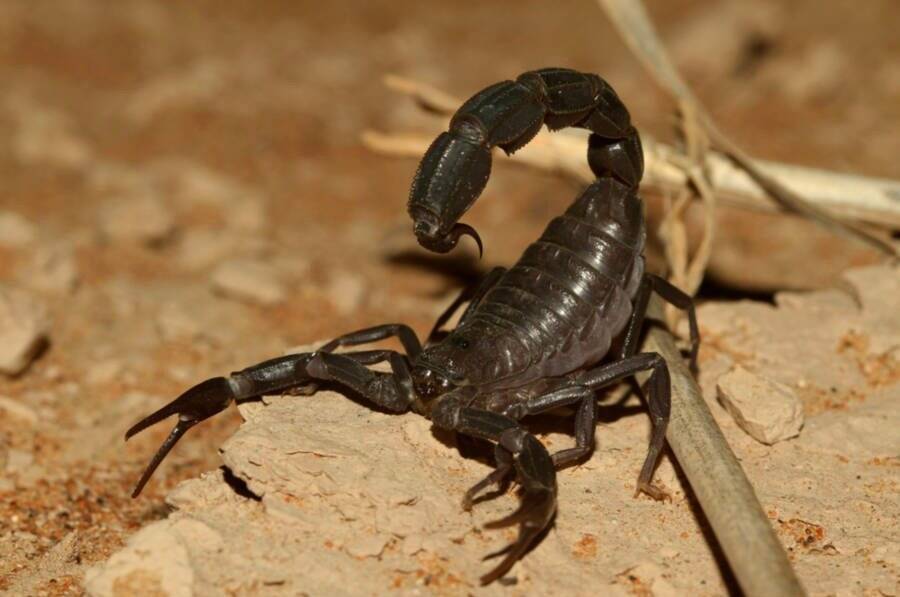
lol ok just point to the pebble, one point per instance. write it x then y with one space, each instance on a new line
104 372
143 220
15 230
768 411
50 269
174 322
248 280
18 460
18 410
246 215
200 249
23 330
346 291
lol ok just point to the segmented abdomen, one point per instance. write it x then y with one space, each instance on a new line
570 294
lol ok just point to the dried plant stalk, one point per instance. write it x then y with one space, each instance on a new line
717 479
754 552
631 20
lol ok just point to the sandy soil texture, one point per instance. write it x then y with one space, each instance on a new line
184 193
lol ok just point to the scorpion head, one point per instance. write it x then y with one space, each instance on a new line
430 383
437 371
450 178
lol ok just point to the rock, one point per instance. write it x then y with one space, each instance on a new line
103 372
18 410
767 410
200 248
18 461
346 291
15 230
713 41
249 280
142 219
50 269
246 214
154 562
175 322
23 330
46 136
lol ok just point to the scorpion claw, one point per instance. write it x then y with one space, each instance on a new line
195 405
180 429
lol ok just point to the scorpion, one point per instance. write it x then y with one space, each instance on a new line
549 332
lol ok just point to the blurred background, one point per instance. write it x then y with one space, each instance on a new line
183 192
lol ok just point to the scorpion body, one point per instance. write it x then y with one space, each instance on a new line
533 338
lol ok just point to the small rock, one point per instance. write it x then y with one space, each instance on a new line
50 269
15 231
248 280
174 322
669 552
246 215
366 546
104 372
18 461
199 249
23 330
18 410
155 561
45 135
144 220
767 410
346 292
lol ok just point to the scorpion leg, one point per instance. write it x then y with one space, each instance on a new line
585 420
658 403
392 391
473 294
534 467
403 332
670 294
584 393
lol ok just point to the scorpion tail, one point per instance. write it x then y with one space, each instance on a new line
195 405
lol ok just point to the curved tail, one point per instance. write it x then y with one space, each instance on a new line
456 168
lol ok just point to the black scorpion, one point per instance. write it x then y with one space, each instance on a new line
534 337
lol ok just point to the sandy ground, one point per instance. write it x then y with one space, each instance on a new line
184 193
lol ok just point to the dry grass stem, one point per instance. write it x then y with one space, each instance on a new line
728 499
753 550
631 20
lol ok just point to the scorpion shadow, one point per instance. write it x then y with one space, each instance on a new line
460 269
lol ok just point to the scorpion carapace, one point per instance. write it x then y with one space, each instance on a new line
534 337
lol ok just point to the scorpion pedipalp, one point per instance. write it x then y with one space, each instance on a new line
193 406
536 474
